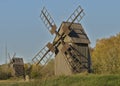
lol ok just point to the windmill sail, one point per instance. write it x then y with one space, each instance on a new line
76 16
43 56
48 21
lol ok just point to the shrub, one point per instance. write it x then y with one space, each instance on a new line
5 72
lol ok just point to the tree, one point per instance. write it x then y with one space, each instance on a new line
106 55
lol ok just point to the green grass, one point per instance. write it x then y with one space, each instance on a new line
74 80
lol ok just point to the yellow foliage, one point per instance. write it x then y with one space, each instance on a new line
106 55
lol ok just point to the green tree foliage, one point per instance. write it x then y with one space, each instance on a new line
106 55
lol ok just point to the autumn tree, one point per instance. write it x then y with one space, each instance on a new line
106 55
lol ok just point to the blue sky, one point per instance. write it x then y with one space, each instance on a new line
24 33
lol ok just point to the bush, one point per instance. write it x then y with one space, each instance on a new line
5 72
38 71
4 76
48 70
35 71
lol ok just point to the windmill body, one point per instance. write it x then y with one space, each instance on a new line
67 63
17 65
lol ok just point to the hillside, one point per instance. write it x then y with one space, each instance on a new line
76 80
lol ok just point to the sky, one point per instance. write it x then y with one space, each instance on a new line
24 33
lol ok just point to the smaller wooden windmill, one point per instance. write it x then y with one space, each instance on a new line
71 45
17 65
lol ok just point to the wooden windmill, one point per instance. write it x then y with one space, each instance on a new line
71 45
17 65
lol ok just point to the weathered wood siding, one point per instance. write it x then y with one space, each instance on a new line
78 39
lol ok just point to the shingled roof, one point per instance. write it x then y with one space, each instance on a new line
77 35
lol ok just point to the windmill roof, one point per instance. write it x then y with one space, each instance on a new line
17 60
77 34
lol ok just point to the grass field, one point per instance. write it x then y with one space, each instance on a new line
75 80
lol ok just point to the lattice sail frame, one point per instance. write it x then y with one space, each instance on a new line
77 15
43 56
48 21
